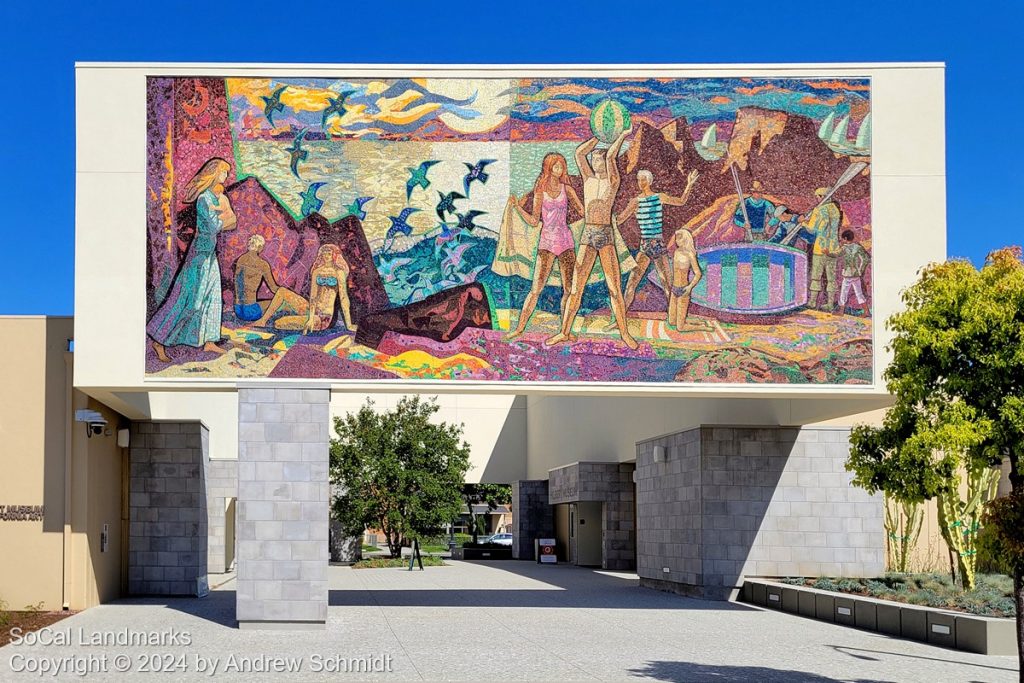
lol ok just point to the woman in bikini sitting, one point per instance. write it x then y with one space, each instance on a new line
327 287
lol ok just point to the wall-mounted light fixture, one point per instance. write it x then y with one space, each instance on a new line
660 454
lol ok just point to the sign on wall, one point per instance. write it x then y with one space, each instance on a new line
22 513
608 230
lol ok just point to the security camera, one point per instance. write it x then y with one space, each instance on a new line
94 421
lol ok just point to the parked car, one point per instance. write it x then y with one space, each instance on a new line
500 539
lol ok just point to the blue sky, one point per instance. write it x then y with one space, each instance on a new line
40 41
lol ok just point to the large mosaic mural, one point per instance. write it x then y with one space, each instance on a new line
542 230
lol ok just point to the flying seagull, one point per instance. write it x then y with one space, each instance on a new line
476 172
399 226
446 203
418 176
356 208
273 103
336 105
310 202
297 153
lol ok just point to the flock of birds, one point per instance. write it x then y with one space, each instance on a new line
412 282
446 229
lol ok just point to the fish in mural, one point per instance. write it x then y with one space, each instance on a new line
651 230
476 173
273 103
418 177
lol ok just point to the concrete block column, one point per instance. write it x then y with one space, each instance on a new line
619 520
167 531
531 516
283 501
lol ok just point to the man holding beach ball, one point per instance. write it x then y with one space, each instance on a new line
610 123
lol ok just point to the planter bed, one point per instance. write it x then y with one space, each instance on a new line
957 630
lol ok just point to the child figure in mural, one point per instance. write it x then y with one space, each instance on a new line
551 195
252 270
648 208
191 313
327 288
854 259
686 273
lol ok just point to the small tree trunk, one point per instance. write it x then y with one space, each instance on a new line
472 518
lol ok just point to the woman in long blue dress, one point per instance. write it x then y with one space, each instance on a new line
191 313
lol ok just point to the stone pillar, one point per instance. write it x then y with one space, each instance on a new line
167 530
283 504
721 503
531 517
619 523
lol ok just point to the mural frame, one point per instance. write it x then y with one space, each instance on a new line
510 386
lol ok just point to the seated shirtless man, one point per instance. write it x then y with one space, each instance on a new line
252 270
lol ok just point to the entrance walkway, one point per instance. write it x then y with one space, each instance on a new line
519 621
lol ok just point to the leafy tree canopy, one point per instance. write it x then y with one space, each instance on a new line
957 375
398 471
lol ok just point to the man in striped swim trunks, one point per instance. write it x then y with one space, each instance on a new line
600 185
648 208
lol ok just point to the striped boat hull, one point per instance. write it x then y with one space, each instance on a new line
751 282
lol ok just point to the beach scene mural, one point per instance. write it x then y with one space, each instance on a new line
596 230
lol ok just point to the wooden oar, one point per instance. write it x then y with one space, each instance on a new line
743 204
851 172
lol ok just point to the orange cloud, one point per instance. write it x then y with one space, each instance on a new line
837 85
570 106
756 89
569 89
831 102
721 99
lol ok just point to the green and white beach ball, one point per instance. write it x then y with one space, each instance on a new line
608 120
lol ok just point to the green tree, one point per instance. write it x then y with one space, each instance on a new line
957 376
491 495
397 471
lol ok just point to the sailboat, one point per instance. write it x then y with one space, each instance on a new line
864 133
838 136
710 148
825 131
710 136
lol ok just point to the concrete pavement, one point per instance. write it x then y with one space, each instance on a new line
481 621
